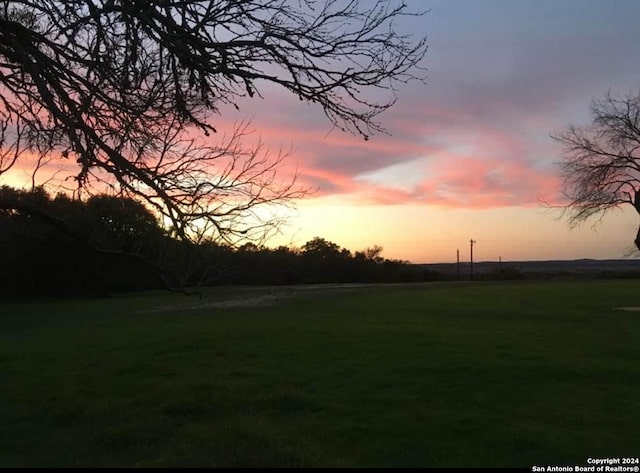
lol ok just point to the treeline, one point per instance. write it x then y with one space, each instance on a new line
59 245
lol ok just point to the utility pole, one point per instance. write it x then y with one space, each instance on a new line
472 242
458 263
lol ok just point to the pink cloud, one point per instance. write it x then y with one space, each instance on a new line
479 166
487 183
450 156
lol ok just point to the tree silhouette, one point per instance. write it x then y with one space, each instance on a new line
121 223
117 88
62 245
109 244
321 248
600 166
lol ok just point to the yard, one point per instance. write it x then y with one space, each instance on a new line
426 375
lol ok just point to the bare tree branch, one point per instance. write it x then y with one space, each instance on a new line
110 83
600 166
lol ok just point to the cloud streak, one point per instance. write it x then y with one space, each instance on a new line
503 75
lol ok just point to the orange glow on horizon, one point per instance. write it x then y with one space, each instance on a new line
431 234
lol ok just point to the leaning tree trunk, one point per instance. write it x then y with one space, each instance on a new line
636 204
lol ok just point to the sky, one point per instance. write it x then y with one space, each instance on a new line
468 155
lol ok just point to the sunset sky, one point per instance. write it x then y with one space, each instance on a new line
469 154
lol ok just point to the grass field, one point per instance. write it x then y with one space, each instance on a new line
500 374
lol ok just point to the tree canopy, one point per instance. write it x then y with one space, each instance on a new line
117 87
59 245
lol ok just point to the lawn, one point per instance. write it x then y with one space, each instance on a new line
433 375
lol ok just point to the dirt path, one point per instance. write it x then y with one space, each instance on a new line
262 296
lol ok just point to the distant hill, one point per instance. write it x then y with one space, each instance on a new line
580 266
